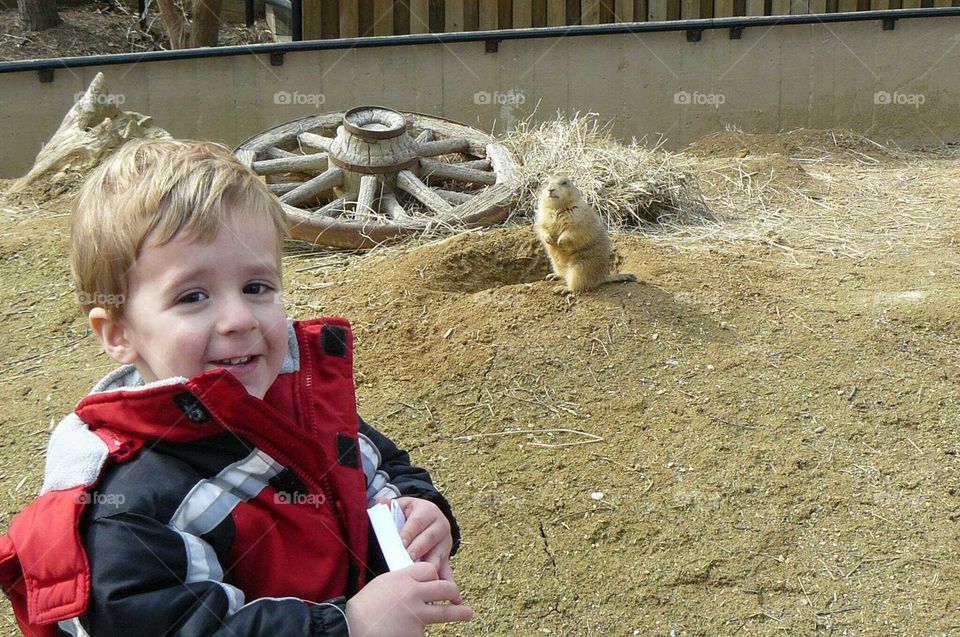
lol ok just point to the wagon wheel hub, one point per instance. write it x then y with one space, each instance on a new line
374 122
372 141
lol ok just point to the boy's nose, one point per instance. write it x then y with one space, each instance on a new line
237 316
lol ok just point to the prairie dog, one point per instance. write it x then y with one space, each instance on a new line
575 237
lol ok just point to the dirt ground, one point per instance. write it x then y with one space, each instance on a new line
101 28
760 437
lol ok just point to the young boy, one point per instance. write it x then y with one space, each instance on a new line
216 483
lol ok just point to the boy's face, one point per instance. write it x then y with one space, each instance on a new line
196 306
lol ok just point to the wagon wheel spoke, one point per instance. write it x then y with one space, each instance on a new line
330 178
296 163
278 153
315 141
398 213
333 209
410 183
453 196
434 168
479 164
284 187
443 147
369 185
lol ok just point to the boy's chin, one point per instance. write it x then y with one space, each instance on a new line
257 392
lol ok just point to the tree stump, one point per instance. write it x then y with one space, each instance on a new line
38 15
92 129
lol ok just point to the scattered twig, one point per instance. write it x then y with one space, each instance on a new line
847 609
532 432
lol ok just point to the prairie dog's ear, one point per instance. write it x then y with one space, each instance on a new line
112 336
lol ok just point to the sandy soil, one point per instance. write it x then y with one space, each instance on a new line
759 438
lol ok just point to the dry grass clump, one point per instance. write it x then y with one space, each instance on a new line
629 185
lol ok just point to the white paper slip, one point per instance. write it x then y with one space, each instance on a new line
384 522
399 519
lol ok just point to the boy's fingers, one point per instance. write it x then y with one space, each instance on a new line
439 556
438 591
443 613
444 571
439 552
420 546
422 572
413 528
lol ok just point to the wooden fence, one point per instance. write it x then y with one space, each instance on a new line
353 18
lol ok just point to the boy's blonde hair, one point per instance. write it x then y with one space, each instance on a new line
156 189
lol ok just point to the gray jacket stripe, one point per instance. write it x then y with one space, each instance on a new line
370 456
210 501
72 627
381 489
208 504
203 566
378 482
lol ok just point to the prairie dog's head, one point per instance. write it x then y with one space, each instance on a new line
559 192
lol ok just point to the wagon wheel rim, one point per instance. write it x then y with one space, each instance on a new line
372 175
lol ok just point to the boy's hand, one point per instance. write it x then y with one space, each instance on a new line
402 603
426 535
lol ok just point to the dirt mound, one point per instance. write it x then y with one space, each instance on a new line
775 176
472 262
778 170
801 143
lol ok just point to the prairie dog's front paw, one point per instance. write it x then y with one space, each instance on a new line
553 276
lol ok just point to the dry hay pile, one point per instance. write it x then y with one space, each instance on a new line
629 185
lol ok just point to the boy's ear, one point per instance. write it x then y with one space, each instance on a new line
112 336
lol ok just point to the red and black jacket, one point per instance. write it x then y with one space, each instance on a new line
189 507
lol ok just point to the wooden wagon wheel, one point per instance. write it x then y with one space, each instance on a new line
373 175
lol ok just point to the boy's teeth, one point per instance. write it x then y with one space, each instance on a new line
236 361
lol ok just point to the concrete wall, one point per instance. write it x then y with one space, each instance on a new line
901 84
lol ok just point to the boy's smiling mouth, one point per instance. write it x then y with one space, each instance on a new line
239 361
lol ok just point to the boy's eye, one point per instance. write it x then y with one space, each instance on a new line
192 297
257 288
